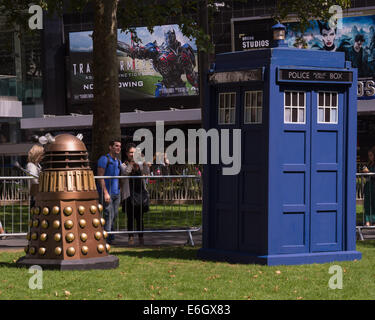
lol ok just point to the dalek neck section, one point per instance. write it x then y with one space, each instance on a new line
67 181
66 166
65 160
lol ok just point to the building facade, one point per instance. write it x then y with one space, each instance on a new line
37 71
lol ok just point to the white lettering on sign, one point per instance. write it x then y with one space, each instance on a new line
335 75
236 76
255 44
319 75
299 75
366 88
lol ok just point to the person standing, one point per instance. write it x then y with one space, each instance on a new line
132 188
369 189
355 54
35 156
2 231
109 189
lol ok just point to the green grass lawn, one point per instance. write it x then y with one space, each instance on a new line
175 273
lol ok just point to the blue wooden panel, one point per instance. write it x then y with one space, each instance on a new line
327 179
226 237
294 188
327 148
294 142
293 236
325 187
326 232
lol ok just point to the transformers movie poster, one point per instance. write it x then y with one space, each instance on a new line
161 64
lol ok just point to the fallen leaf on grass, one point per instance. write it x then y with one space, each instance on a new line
119 295
100 290
255 276
67 293
205 289
299 298
215 276
278 272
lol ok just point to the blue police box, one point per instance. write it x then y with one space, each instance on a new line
293 201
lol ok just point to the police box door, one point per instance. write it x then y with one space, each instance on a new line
327 157
224 187
313 169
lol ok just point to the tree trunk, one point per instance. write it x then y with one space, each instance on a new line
203 56
106 108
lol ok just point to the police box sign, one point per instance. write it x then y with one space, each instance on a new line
315 75
236 76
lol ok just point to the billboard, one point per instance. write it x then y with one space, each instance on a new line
355 36
161 64
251 34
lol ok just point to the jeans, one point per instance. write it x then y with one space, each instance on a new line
111 212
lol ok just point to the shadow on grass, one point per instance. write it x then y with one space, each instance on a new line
366 243
180 253
11 265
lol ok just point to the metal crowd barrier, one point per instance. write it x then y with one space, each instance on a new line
365 201
175 203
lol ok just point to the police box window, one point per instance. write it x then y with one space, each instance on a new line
327 107
253 106
294 106
227 107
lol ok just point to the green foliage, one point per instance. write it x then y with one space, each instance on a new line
305 11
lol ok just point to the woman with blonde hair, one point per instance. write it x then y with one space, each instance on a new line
35 156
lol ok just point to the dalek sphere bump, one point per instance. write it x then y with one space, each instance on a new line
66 230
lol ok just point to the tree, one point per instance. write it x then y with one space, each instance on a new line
108 14
306 11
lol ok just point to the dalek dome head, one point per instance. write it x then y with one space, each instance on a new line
65 143
65 151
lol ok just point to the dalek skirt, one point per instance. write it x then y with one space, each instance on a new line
66 226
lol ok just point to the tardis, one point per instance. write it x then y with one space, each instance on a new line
293 201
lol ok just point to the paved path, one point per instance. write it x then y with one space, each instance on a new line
150 239
121 240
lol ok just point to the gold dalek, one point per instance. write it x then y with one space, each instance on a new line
66 228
